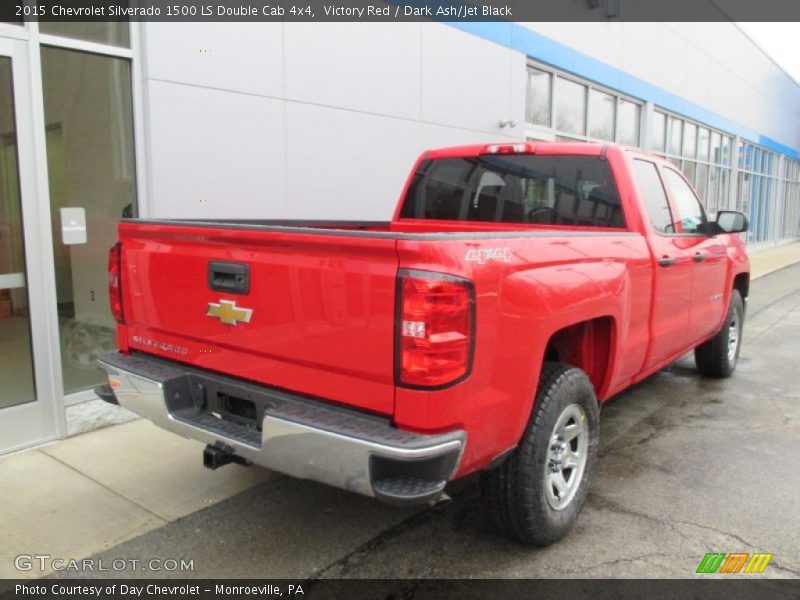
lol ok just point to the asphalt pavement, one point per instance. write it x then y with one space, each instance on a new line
687 466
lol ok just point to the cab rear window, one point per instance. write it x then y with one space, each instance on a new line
518 188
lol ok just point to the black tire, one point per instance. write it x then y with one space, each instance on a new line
715 358
515 493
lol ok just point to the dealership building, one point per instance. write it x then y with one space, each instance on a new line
324 121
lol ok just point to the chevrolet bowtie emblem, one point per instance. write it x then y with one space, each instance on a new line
227 312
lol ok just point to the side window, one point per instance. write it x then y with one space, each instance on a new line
690 211
655 198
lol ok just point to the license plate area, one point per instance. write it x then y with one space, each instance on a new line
229 402
238 410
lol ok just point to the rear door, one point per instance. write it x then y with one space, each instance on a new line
709 256
311 312
672 268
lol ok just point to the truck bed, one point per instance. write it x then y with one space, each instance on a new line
323 297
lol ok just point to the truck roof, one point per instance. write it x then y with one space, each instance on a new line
531 147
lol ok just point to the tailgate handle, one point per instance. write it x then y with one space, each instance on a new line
230 277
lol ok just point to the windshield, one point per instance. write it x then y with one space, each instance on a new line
517 188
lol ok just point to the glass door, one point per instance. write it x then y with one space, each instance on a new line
27 414
91 174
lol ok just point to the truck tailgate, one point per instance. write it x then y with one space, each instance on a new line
322 306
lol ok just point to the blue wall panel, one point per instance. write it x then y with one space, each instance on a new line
544 49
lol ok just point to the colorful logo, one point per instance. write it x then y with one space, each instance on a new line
227 312
735 562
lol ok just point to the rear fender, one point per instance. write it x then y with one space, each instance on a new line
572 309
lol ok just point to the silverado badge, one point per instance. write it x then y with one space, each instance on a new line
227 312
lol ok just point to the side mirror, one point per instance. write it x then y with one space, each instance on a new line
731 221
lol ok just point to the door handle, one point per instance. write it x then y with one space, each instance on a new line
699 257
666 261
233 278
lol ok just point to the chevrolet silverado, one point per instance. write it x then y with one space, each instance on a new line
517 288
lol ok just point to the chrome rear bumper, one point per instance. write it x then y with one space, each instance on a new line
297 436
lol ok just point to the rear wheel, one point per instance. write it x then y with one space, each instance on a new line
538 492
718 356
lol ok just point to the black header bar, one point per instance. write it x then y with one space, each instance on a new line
400 10
735 587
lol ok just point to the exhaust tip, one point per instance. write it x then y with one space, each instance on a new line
442 501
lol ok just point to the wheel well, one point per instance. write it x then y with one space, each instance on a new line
586 345
742 283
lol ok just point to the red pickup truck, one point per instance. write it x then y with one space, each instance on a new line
517 287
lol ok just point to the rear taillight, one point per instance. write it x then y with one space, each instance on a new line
114 282
435 329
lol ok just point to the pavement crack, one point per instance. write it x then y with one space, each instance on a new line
729 534
672 523
782 567
343 564
740 539
616 562
608 504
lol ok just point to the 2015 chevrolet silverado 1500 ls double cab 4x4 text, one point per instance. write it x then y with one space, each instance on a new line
517 288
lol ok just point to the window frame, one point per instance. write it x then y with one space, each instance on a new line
534 131
718 175
760 168
657 165
674 206
722 196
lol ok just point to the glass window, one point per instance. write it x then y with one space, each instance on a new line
675 132
747 156
701 182
570 106
443 193
90 163
724 190
716 145
628 123
575 110
17 385
688 168
518 188
702 144
602 107
654 196
744 192
712 196
538 97
659 131
101 32
689 140
688 207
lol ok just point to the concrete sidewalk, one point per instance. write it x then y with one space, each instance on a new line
78 497
75 497
773 259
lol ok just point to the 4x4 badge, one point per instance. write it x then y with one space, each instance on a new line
227 312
